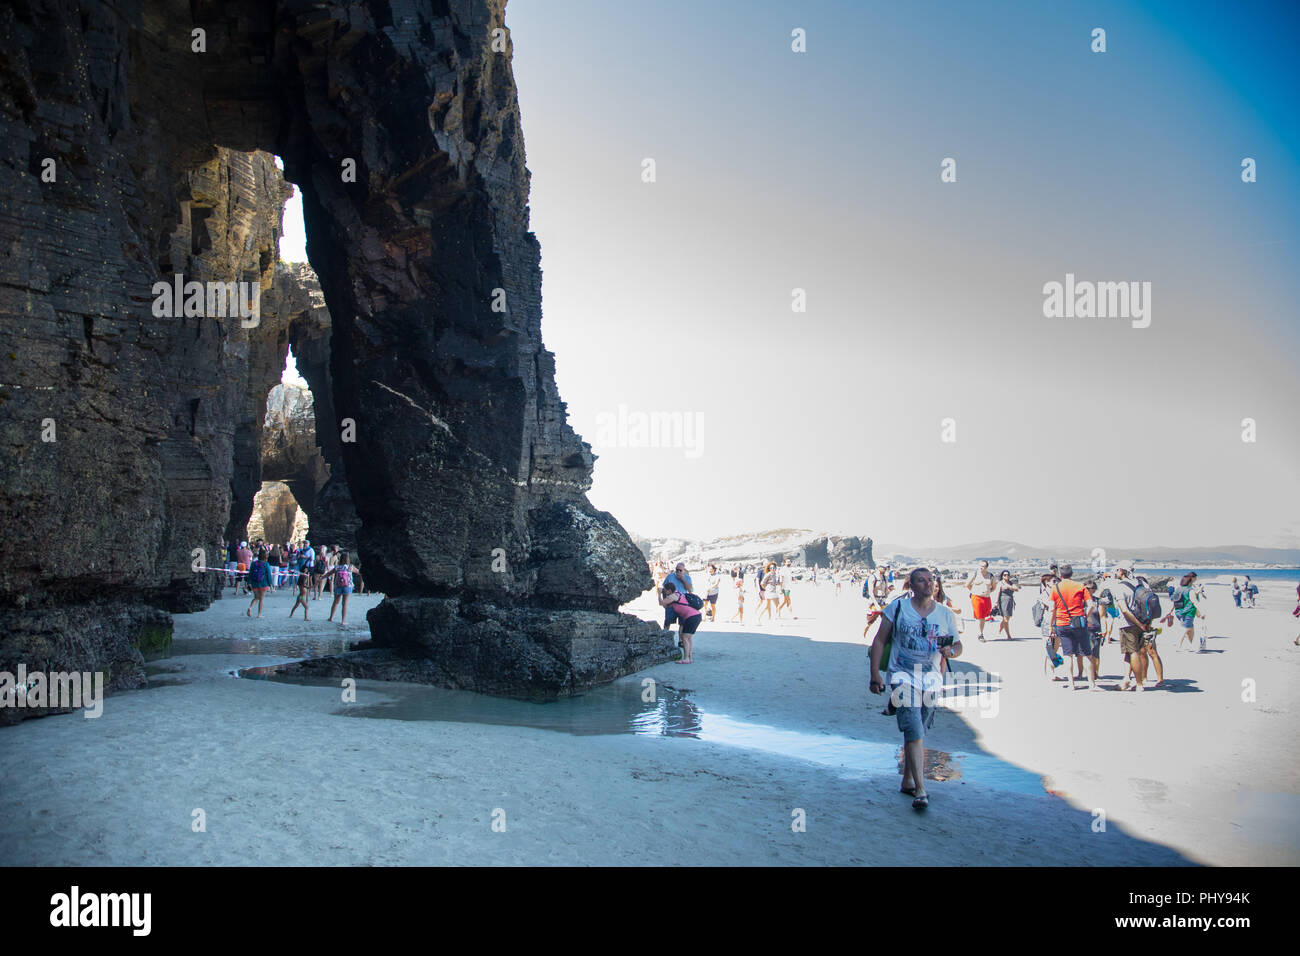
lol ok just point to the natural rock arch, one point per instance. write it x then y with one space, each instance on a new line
463 452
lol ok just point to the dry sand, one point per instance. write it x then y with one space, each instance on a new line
1192 774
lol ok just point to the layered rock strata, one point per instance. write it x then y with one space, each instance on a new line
132 439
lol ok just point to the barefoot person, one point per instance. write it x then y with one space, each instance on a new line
304 590
1070 601
341 586
1006 599
244 556
1184 609
320 565
920 633
980 585
682 584
786 577
259 581
740 601
769 593
1137 631
687 616
712 586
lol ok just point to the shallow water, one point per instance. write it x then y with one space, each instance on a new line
624 707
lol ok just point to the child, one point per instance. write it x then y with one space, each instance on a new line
304 587
740 602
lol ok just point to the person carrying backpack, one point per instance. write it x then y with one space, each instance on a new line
1139 606
341 586
259 582
1184 609
687 614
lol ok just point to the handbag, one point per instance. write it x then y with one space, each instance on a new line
1076 622
885 653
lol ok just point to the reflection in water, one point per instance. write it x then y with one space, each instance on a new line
621 708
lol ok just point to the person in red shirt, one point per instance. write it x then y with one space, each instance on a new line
1070 604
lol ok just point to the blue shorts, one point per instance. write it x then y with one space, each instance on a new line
342 590
914 721
1112 611
1075 640
1187 620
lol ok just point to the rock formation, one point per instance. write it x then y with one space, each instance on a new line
275 514
136 147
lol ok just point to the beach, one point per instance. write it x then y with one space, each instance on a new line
769 752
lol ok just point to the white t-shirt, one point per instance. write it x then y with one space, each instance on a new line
715 582
914 658
1119 592
981 586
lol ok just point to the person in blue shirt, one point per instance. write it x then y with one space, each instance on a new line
681 582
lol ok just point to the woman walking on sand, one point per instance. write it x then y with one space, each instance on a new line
688 618
319 567
1006 601
711 588
1236 592
341 587
1185 609
769 592
259 581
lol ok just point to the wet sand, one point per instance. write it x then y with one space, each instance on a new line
284 776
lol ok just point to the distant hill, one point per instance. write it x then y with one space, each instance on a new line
806 547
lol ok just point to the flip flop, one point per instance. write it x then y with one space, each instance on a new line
921 802
910 791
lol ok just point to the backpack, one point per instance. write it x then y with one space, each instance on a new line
694 600
1142 602
258 575
345 576
1182 598
1037 612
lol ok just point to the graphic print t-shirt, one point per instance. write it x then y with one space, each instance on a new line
915 654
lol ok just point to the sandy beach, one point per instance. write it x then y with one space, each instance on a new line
773 754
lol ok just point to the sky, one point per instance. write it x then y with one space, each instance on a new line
923 397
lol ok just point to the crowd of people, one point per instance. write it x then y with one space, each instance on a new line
919 627
259 569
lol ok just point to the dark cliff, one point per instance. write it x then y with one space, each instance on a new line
459 452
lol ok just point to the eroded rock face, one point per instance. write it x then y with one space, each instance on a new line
275 515
469 485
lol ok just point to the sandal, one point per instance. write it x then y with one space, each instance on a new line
910 791
921 802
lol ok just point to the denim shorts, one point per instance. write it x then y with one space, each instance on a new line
914 721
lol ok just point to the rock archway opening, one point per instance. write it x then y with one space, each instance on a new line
277 518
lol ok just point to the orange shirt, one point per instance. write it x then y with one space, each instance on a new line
1076 600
